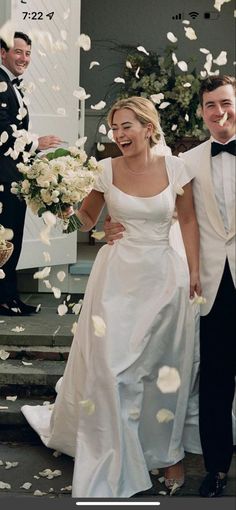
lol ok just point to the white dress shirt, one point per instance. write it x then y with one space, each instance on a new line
223 177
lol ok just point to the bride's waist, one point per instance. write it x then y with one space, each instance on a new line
145 238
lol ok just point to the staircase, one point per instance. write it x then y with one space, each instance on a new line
37 358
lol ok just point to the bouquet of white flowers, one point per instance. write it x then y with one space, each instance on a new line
57 181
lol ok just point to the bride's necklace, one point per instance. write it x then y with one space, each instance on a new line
135 172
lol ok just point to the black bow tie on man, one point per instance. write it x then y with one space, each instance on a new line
17 81
230 147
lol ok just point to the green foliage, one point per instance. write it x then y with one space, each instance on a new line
158 74
57 154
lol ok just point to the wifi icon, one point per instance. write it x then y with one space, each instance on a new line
193 14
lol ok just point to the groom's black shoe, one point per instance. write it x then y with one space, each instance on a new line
212 485
23 308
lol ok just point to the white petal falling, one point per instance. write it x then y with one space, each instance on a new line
66 14
63 34
187 84
110 135
18 329
11 398
61 276
203 74
49 218
134 413
204 50
164 415
27 363
221 60
93 64
100 147
118 79
168 380
137 72
3 86
44 235
224 119
2 274
190 33
174 58
81 94
102 129
98 106
157 98
171 37
174 127
9 465
40 275
198 300
88 406
208 63
182 65
84 42
218 4
186 22
81 141
98 235
178 189
155 471
47 284
76 308
142 49
99 326
164 105
62 309
128 64
186 117
56 292
74 327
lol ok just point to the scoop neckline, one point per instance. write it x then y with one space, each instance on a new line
135 196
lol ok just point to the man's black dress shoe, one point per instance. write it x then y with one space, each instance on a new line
212 485
23 307
8 312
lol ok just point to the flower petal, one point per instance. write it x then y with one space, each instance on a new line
88 406
171 37
119 80
62 309
99 326
84 42
98 106
190 33
93 63
102 129
61 276
168 380
164 415
182 65
98 235
142 49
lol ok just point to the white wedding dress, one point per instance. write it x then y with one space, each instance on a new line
140 288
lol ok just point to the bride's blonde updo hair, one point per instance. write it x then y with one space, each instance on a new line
144 111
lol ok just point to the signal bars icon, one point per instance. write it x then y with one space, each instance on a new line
193 14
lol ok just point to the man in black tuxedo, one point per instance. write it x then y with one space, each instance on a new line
13 118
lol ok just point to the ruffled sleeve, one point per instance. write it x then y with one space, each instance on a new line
178 173
104 178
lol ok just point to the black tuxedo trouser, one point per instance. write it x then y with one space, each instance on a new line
217 377
13 216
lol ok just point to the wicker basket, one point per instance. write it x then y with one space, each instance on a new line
5 253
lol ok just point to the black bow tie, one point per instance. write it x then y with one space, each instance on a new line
230 147
17 81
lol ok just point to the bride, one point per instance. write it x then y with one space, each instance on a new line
111 412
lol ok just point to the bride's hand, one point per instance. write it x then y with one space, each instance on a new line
195 284
66 213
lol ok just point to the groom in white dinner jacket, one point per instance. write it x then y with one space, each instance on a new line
212 166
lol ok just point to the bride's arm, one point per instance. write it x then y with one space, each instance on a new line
90 210
190 233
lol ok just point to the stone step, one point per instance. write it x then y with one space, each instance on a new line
13 425
41 352
46 328
38 378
